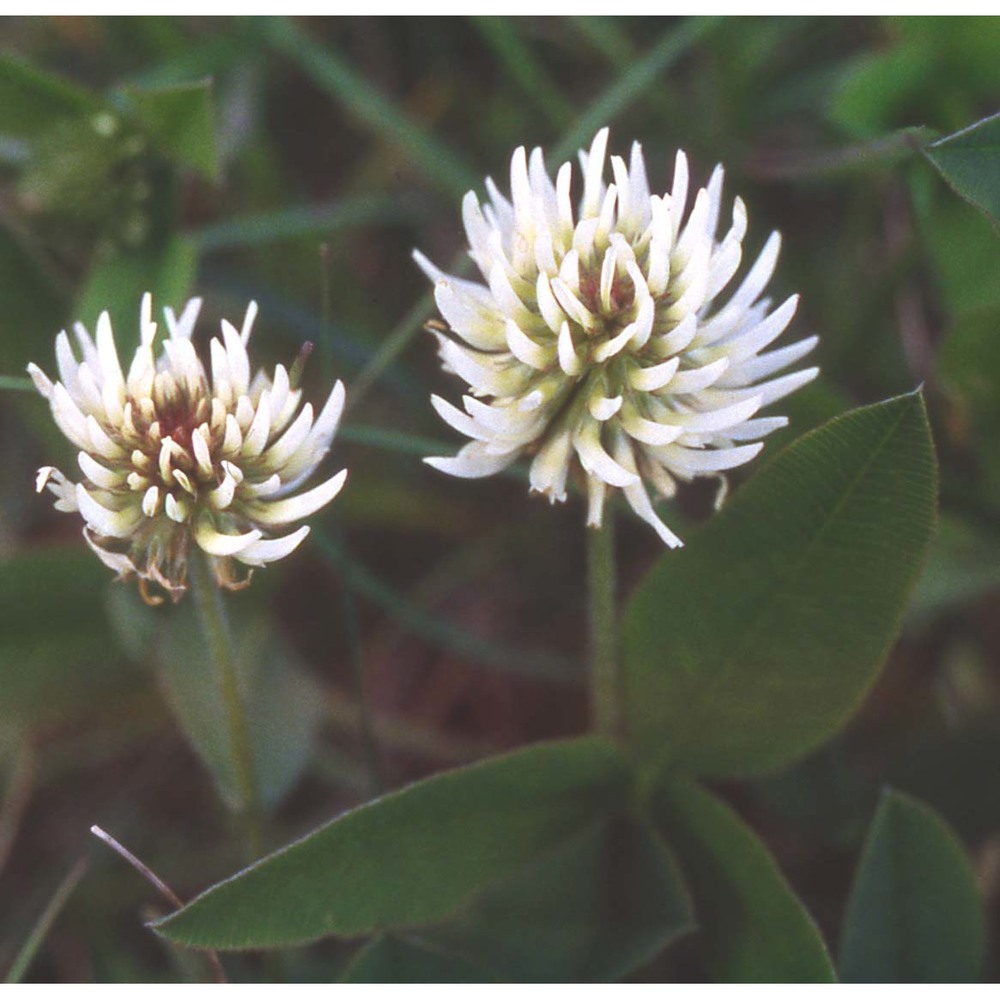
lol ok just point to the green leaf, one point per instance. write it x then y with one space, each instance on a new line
180 121
963 565
389 959
283 704
752 644
592 909
56 646
32 100
914 914
878 87
119 281
753 926
413 856
969 161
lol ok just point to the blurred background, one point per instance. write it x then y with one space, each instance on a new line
298 162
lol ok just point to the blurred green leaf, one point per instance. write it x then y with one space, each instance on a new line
31 305
32 100
391 959
753 643
592 909
914 914
284 705
969 367
56 646
879 86
412 856
964 249
969 161
754 928
963 564
180 121
118 283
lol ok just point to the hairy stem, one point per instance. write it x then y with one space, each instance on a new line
215 627
605 677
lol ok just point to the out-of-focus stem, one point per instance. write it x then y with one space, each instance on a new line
220 647
605 677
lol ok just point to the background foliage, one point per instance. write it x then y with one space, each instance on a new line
298 163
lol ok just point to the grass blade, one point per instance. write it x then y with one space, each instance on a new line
40 931
331 73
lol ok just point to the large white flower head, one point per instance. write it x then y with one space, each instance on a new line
170 455
599 343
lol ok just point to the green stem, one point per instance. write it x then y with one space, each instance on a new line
605 679
220 647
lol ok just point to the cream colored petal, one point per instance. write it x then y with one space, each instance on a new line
270 549
216 543
277 512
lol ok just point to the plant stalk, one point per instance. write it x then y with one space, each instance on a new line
215 627
605 676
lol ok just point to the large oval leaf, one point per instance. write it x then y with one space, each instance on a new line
914 915
413 856
753 927
753 644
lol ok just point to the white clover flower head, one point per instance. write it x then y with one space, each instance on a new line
170 455
598 344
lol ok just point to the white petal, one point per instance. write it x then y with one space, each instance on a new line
236 354
42 382
285 447
550 467
112 524
98 474
248 321
525 349
759 427
694 379
719 420
596 460
275 512
462 423
655 376
690 462
151 501
569 360
473 462
120 563
766 364
764 333
592 164
270 549
215 543
260 428
638 498
222 496
602 408
649 431
182 328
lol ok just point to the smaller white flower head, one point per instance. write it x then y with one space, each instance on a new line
598 343
170 454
